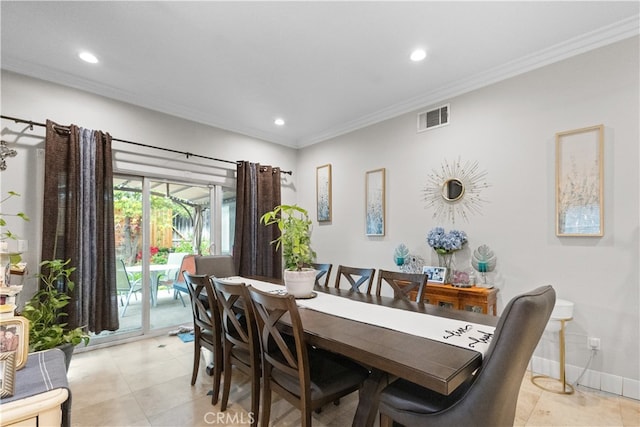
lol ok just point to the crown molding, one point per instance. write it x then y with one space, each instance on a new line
604 36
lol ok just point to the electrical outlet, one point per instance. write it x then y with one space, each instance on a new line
593 343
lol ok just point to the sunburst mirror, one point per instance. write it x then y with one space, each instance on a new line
454 190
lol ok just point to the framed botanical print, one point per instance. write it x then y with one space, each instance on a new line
579 182
323 192
375 202
14 337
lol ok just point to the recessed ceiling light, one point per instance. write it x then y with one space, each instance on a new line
418 55
88 57
279 122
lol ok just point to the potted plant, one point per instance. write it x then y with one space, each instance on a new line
295 238
44 311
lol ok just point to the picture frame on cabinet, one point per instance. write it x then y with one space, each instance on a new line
323 192
375 202
7 373
579 182
435 274
14 337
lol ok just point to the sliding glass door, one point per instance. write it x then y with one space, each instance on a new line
157 224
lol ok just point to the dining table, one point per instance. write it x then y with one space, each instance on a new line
155 271
346 322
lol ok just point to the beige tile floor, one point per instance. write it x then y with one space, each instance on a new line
147 383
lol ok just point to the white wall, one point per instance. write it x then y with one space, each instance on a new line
37 100
509 128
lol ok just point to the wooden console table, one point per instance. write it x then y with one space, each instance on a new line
475 298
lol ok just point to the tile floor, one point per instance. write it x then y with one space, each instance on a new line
147 383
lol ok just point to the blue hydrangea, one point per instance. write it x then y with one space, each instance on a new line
444 242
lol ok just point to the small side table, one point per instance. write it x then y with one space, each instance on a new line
562 381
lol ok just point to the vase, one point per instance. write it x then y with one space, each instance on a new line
446 260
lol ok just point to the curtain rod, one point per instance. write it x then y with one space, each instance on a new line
187 154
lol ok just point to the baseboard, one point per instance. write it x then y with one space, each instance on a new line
609 383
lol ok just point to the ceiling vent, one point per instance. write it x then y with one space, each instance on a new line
433 118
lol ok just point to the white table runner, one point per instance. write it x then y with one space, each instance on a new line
468 335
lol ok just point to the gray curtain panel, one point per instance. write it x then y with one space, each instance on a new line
78 221
257 191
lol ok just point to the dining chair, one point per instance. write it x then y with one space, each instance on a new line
215 265
241 343
489 397
206 326
306 377
324 271
402 283
356 277
126 285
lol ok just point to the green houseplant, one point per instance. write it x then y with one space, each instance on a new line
44 310
6 234
295 238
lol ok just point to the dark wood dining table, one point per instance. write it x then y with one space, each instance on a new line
389 353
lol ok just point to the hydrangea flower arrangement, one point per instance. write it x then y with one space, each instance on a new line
444 243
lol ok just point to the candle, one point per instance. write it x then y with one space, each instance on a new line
482 266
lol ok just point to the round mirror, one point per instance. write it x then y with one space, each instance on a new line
452 190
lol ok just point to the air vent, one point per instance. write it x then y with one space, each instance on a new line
433 118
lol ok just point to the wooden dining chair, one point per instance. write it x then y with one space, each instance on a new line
490 396
306 377
206 326
356 277
323 273
402 283
241 343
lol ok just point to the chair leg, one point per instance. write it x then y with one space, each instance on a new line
255 394
227 375
217 372
385 420
266 401
196 358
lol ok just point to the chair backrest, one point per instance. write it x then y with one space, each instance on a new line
323 273
206 317
216 265
515 338
402 283
241 333
356 277
175 258
123 282
188 264
276 353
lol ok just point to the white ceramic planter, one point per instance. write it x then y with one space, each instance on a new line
300 283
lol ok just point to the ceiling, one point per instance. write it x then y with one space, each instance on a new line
326 68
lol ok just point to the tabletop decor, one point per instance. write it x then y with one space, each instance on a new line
484 261
295 237
400 254
446 245
14 332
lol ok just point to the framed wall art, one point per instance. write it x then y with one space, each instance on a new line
323 192
14 337
375 202
7 373
579 182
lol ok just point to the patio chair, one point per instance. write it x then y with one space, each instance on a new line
126 285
